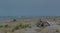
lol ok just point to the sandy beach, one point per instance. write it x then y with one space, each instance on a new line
27 25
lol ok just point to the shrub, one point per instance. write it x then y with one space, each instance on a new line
12 30
14 20
6 25
27 25
20 25
5 32
17 27
1 26
57 30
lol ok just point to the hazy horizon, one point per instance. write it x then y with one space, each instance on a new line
29 7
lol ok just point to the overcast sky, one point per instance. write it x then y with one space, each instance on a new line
29 7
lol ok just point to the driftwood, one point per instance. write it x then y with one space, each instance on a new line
42 24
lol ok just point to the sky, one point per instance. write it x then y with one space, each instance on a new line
29 7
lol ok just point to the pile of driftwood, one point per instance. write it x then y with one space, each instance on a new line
42 23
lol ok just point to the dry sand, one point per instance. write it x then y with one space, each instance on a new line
32 22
